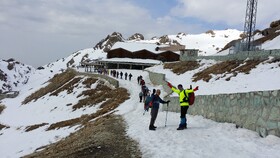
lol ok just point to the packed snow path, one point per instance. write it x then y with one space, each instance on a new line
203 138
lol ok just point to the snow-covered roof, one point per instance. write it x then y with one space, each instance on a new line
143 61
136 46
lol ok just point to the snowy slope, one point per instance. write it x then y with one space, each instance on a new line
204 138
208 43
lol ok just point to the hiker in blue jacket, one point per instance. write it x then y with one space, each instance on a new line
156 100
149 100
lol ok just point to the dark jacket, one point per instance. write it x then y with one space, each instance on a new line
156 101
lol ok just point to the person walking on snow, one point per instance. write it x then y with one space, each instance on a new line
125 75
154 112
183 94
121 74
140 96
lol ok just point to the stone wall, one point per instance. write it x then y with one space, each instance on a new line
257 111
262 54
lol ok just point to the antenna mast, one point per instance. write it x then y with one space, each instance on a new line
249 26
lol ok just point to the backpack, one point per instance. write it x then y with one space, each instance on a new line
189 99
148 102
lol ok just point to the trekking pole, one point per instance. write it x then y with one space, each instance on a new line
166 115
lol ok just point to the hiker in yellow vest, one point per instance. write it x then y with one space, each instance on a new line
184 103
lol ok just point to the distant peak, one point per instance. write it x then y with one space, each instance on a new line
107 43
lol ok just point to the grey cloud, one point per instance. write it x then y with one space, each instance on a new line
52 29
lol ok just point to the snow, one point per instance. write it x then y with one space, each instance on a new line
144 61
203 138
207 43
274 44
136 46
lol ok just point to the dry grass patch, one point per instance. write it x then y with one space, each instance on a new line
269 37
94 96
181 66
106 137
33 127
120 95
113 99
249 65
274 60
66 123
56 82
89 81
218 68
227 67
68 86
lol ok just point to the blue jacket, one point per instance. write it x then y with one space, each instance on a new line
156 101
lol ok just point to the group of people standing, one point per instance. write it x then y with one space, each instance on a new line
120 74
153 100
150 101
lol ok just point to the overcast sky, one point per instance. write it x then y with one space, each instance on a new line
37 32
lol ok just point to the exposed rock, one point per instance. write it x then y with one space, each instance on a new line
181 34
11 60
164 39
3 76
210 32
137 37
275 24
107 43
13 74
40 68
11 65
154 38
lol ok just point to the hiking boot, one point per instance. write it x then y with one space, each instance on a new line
154 126
151 128
181 128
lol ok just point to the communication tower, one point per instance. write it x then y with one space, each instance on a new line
249 26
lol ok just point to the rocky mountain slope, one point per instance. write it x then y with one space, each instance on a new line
13 74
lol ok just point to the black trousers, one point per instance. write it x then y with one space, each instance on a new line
184 110
154 113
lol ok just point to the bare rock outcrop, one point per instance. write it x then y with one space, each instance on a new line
136 36
107 43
